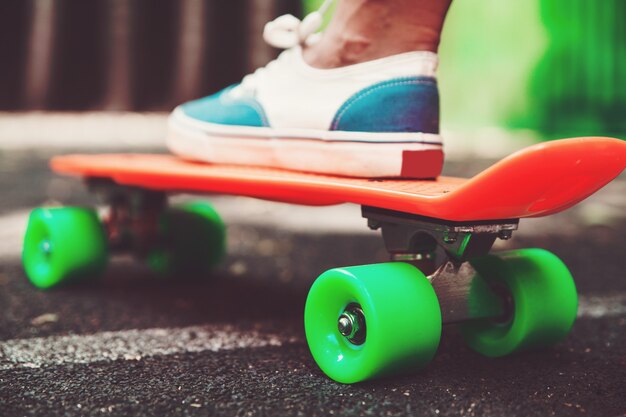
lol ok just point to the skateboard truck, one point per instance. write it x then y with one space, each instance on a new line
441 249
133 216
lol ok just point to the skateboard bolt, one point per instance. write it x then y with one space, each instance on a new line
450 237
345 325
45 247
505 234
351 324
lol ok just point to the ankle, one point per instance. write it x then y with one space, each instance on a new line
363 30
335 51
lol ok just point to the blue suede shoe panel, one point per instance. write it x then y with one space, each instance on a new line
222 109
408 104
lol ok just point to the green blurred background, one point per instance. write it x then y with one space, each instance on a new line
555 67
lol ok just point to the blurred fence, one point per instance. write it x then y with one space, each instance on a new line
127 54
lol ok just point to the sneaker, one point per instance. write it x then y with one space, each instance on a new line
374 119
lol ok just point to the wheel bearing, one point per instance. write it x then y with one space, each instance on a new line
351 324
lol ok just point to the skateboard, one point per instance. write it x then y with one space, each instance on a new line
367 321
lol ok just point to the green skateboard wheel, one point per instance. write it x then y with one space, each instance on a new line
193 240
371 321
542 302
63 244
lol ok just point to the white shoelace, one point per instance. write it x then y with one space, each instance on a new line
286 32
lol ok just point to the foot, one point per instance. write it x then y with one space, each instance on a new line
374 119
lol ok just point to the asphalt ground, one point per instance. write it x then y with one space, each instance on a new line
233 345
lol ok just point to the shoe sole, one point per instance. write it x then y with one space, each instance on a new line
354 154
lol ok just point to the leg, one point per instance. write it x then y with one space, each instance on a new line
363 30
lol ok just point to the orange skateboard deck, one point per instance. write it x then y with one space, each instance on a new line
537 181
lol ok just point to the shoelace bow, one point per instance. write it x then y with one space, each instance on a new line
285 32
288 31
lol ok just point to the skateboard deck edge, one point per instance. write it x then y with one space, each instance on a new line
540 180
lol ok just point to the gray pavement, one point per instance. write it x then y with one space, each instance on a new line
133 344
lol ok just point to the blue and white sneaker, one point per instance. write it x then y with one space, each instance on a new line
374 119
